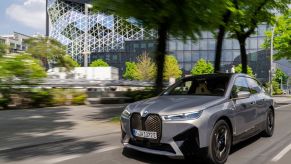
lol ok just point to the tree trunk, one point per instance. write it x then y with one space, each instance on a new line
219 41
160 56
243 54
218 50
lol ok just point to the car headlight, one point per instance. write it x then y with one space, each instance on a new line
125 114
183 116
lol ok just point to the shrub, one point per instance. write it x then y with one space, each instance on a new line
140 94
79 100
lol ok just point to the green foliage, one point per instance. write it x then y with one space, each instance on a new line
5 99
202 67
20 68
68 62
99 63
79 98
3 49
238 69
172 68
146 68
279 74
140 94
282 37
40 98
130 71
276 88
47 50
182 18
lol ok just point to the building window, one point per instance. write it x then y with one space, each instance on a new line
195 56
235 44
211 55
187 45
227 55
188 67
253 43
180 45
227 44
211 44
195 45
187 56
180 56
172 45
203 44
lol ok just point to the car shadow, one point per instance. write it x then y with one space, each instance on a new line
245 143
150 158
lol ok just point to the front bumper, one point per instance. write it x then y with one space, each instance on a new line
178 139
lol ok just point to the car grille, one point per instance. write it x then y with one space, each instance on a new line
151 122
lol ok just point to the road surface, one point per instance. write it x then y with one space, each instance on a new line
106 149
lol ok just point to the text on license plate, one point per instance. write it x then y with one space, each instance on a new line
144 134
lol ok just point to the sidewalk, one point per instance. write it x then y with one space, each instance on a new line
282 99
33 127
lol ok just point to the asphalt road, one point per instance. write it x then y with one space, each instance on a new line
106 149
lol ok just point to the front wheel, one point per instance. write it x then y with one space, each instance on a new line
220 143
270 124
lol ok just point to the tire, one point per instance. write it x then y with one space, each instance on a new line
220 143
270 124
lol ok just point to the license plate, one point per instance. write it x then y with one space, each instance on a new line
144 134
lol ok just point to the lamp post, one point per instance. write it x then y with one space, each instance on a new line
86 50
271 71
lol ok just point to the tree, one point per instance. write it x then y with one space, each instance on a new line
21 69
172 68
145 68
3 49
279 74
238 69
99 63
276 88
68 62
130 71
202 67
247 15
178 18
282 37
47 50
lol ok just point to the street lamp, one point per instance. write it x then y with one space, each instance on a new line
271 71
86 50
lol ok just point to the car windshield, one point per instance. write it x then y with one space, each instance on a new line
199 85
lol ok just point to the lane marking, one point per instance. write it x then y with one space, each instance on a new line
282 153
106 149
61 159
69 157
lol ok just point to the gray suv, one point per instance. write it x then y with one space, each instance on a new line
202 115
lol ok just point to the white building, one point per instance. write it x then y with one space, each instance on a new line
88 73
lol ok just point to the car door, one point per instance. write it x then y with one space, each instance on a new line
244 109
259 96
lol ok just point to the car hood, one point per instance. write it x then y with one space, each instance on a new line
165 105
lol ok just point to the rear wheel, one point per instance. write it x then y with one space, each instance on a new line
220 143
270 124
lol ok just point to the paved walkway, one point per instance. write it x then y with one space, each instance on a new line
34 127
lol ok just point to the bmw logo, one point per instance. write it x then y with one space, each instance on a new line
145 112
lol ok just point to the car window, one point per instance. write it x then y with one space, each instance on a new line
254 86
240 84
208 86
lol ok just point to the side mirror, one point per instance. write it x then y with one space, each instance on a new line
243 95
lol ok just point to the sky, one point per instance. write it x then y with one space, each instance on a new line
23 16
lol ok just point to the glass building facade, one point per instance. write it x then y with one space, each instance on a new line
118 40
